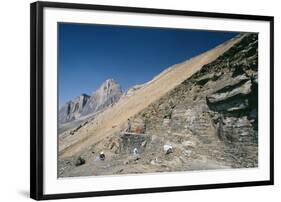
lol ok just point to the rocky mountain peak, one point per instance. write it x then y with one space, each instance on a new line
108 86
73 108
84 95
106 95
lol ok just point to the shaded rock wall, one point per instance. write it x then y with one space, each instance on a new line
72 109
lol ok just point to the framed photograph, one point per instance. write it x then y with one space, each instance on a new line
131 100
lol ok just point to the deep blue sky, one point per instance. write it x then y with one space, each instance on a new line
90 54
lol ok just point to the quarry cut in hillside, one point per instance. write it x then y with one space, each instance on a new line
205 109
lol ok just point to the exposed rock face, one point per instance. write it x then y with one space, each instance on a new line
131 142
216 109
73 109
106 95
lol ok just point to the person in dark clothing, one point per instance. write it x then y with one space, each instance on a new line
129 126
102 156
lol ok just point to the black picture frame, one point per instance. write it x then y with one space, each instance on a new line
36 99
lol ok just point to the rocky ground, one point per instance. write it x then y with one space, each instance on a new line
209 121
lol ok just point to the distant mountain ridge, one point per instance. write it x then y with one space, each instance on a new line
106 95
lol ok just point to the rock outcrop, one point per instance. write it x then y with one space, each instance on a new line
73 109
216 109
106 95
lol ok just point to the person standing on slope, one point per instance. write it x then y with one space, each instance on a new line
129 126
